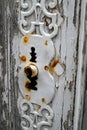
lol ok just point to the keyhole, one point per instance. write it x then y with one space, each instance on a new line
33 55
33 79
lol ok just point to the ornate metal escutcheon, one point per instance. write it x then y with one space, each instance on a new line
38 64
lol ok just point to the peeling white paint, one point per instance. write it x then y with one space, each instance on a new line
65 44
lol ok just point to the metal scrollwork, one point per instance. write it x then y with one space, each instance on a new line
53 4
42 9
35 118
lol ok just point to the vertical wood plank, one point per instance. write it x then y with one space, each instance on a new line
81 73
14 117
84 125
9 116
3 69
67 46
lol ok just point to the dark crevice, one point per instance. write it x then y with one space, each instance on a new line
75 13
84 124
33 82
77 46
33 55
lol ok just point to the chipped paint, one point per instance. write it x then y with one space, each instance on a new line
71 85
66 44
64 41
68 124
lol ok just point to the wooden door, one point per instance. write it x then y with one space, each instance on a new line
42 64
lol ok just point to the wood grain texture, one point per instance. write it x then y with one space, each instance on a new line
9 117
3 70
66 43
82 64
84 126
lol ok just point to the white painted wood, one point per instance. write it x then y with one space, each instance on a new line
68 43
66 50
81 69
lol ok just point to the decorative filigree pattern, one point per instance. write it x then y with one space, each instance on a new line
35 110
38 7
35 117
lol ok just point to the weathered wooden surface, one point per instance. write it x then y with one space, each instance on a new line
81 73
66 43
9 117
84 121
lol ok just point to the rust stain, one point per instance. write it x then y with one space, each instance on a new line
27 85
27 97
53 65
46 67
43 100
33 72
23 58
46 42
55 62
27 70
25 39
